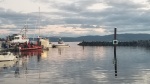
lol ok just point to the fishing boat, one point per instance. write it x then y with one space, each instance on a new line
13 41
30 46
7 56
60 44
27 45
17 38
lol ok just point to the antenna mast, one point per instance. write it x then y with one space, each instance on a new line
26 26
39 21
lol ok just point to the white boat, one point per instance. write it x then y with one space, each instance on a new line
7 56
18 38
60 44
45 43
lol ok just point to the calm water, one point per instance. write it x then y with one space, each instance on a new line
79 65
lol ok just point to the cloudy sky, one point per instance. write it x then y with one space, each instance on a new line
74 17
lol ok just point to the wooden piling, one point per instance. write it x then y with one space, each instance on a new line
115 45
115 33
115 38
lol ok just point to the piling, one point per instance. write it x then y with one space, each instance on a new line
114 41
115 45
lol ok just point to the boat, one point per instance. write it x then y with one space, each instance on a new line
60 44
21 43
17 38
13 41
30 46
7 56
46 44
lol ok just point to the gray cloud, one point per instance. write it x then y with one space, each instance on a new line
89 26
123 14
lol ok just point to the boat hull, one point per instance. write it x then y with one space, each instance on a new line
60 45
28 49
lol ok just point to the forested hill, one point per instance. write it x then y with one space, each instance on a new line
120 37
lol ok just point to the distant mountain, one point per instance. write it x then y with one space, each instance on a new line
120 37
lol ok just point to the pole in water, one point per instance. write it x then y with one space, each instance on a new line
115 42
115 33
115 37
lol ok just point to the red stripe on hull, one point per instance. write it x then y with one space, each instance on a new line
27 49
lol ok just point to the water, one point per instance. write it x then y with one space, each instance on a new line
79 65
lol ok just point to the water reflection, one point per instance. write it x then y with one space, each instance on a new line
6 64
31 53
73 66
39 57
115 60
44 54
24 64
115 65
17 72
59 51
21 64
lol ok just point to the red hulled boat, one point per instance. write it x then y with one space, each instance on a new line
29 46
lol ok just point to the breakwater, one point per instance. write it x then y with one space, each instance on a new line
145 43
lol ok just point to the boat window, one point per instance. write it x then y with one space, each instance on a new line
3 53
16 37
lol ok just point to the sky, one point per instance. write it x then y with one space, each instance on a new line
74 18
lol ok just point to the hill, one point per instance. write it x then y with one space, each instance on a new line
120 37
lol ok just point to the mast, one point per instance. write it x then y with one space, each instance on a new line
26 26
39 22
25 29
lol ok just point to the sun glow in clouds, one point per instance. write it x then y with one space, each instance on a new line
98 6
58 29
4 32
8 26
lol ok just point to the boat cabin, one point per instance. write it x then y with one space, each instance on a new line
60 41
18 38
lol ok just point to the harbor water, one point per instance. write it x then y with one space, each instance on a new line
79 65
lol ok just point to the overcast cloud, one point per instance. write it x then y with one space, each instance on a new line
75 17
